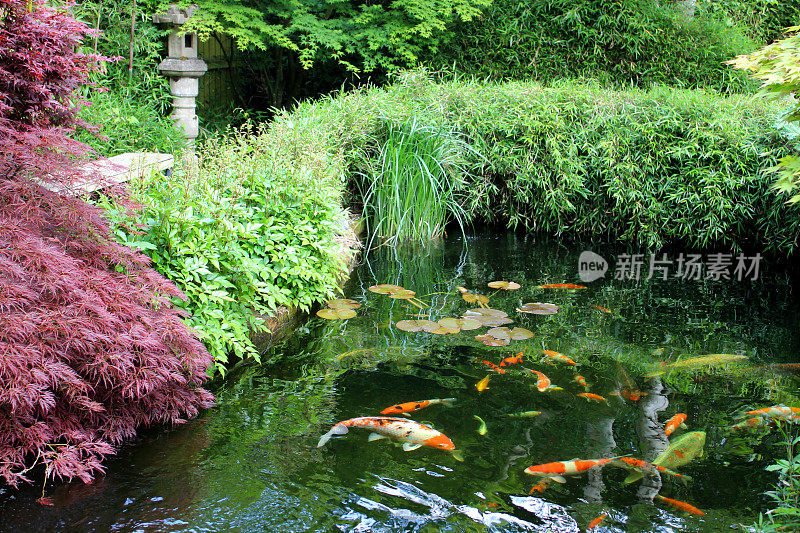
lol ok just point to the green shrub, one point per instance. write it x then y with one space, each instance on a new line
651 167
239 236
762 20
620 42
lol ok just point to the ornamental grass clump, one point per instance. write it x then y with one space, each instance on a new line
91 348
413 188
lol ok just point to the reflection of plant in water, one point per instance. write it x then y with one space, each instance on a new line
786 516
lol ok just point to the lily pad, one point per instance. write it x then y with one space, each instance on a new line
505 285
385 289
336 314
343 303
403 294
539 308
495 321
460 323
444 331
516 334
473 313
472 298
418 325
488 340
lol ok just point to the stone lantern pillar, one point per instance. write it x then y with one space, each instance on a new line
183 68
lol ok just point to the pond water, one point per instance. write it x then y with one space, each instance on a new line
252 463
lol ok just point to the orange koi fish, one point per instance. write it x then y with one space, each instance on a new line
543 382
603 309
483 384
561 286
580 380
410 407
512 360
413 434
596 522
591 397
643 467
632 395
561 358
776 411
494 367
674 423
683 506
555 470
541 486
749 423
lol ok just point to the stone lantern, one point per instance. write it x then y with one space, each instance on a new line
183 68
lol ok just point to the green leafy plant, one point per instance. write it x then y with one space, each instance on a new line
414 186
786 516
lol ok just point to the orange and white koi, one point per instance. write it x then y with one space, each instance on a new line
674 423
413 434
494 367
561 358
683 506
409 407
631 463
596 522
543 382
483 384
591 397
561 286
512 360
557 470
749 423
776 411
580 380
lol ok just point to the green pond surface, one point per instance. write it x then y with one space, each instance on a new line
252 462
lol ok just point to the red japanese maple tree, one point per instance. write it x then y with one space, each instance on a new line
90 346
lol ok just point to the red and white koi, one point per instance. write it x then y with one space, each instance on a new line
591 397
683 506
756 421
776 411
494 367
561 358
631 463
413 434
543 382
580 380
557 470
410 407
561 286
674 423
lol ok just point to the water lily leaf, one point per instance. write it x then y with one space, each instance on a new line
460 323
488 340
444 331
417 325
343 303
403 294
336 314
474 313
539 308
494 321
500 333
385 289
472 298
521 334
505 285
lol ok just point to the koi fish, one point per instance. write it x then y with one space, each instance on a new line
483 384
776 411
482 430
560 286
591 397
413 434
524 414
603 309
512 360
410 407
749 423
580 380
567 468
596 522
494 367
561 358
683 506
632 395
674 423
543 382
640 466
541 486
681 451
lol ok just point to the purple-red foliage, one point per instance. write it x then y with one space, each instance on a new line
90 346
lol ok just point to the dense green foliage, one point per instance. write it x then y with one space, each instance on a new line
762 20
627 42
239 236
658 167
414 184
776 65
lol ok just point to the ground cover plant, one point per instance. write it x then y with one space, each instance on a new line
240 234
90 348
656 167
